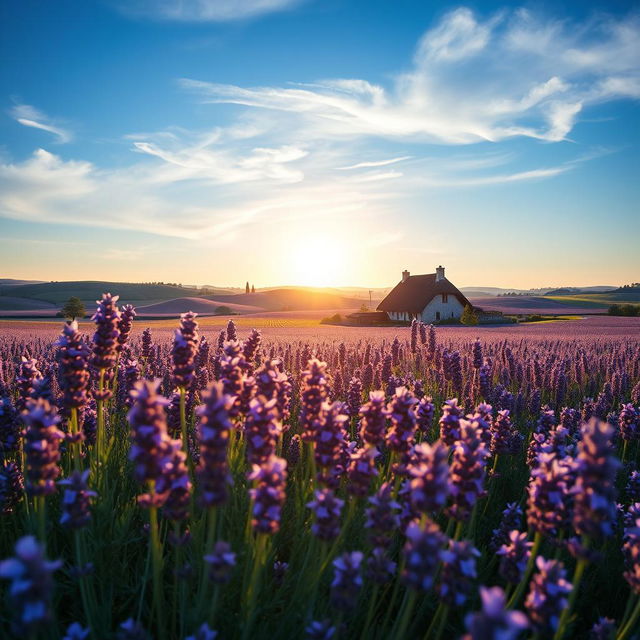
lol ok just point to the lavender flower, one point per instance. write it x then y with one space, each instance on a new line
458 572
72 358
232 333
361 470
594 492
320 630
380 569
347 580
105 338
221 562
330 436
429 477
151 449
214 428
629 423
467 472
425 412
514 557
251 345
354 396
604 629
549 491
373 419
268 494
9 427
262 429
633 487
183 353
381 517
31 586
327 509
421 554
131 630
293 451
42 447
511 519
312 398
279 572
175 483
547 596
403 422
76 500
11 488
495 621
631 549
127 314
450 422
204 632
75 631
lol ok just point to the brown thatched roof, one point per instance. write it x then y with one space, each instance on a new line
416 292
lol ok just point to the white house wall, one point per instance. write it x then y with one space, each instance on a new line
450 309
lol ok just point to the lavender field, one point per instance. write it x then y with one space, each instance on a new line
207 481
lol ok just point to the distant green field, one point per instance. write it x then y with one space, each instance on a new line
597 300
90 291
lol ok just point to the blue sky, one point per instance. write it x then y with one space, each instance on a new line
321 142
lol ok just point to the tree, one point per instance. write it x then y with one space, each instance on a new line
469 316
253 289
246 289
73 308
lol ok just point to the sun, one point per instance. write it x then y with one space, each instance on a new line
320 261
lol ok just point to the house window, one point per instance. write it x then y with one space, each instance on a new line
445 298
437 315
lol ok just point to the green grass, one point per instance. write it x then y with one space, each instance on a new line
597 300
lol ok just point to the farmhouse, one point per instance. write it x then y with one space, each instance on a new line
429 298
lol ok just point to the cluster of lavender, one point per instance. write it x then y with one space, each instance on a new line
306 441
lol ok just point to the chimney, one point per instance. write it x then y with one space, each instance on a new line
405 275
439 273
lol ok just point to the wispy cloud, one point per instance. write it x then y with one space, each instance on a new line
340 148
202 10
375 163
459 90
29 116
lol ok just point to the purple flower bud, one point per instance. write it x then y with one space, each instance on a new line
232 333
183 352
175 483
131 630
362 470
429 477
127 314
262 429
320 630
221 563
547 596
11 488
595 492
151 449
380 569
514 557
467 472
373 419
458 572
105 338
72 358
604 629
511 519
631 549
268 494
312 398
214 429
401 433
30 574
42 447
9 427
495 621
204 632
75 631
450 422
347 580
76 500
629 423
327 509
330 436
424 414
381 517
421 554
633 487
